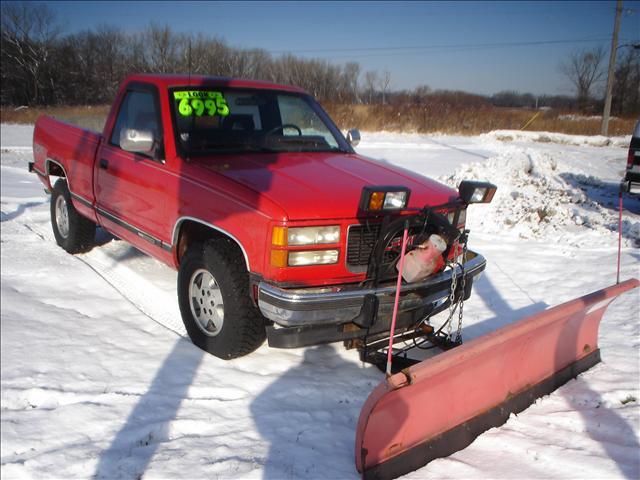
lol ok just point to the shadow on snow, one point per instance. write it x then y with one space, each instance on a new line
148 423
598 424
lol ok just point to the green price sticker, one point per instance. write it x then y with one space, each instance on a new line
199 102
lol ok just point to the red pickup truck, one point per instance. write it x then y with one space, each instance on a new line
276 226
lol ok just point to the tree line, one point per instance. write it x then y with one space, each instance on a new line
40 65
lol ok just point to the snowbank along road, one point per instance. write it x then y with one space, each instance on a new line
98 379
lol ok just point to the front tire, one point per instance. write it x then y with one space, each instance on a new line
213 294
72 231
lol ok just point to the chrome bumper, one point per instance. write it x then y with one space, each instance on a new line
341 304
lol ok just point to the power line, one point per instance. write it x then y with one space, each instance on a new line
433 51
445 46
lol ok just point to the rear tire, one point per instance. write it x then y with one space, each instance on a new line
72 231
213 294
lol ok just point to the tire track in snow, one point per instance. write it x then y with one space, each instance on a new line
160 310
169 319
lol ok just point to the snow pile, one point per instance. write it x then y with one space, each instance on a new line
562 138
540 197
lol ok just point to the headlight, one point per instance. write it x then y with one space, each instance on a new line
316 257
283 236
394 200
476 192
478 195
377 199
313 235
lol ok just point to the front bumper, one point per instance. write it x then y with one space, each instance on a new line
330 306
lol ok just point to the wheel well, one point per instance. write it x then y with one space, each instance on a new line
55 169
195 232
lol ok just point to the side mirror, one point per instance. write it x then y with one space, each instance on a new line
353 137
137 141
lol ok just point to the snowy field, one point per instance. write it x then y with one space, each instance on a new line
98 380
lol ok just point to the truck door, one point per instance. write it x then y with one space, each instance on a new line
131 188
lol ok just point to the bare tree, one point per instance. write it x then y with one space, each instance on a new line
110 65
134 56
419 94
370 83
386 81
162 47
626 88
584 69
351 74
29 32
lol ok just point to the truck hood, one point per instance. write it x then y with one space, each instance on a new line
313 185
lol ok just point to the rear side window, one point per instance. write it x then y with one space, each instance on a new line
138 111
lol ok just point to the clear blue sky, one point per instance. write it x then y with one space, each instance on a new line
305 28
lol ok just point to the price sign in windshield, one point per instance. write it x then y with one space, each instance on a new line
201 102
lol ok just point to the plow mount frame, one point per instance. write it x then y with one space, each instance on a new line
439 406
375 352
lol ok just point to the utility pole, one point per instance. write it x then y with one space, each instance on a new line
612 66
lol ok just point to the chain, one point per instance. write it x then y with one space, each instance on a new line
459 304
452 298
452 294
462 290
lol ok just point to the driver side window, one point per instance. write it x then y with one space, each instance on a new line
138 111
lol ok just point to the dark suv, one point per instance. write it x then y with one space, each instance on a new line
632 177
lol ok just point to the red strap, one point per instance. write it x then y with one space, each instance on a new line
397 299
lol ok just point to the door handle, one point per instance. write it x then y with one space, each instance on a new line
104 164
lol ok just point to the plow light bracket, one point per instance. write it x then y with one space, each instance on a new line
384 198
476 192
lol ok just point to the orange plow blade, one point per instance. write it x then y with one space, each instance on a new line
439 406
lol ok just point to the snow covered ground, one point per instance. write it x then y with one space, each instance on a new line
97 379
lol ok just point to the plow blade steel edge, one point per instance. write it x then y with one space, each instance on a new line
441 405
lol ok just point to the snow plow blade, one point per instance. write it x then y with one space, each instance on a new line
439 406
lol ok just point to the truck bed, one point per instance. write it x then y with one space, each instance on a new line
61 146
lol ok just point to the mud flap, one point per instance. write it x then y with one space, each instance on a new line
439 406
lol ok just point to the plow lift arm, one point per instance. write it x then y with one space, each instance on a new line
439 406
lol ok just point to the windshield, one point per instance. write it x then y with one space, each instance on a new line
223 120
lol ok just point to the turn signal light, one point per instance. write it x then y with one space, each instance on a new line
375 201
279 258
279 236
384 199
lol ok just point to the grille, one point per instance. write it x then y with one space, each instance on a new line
360 243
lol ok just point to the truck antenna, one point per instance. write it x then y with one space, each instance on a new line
189 59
